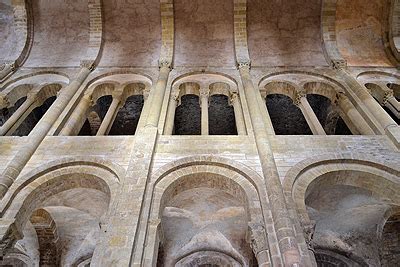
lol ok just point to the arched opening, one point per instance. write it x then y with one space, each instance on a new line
328 115
66 210
390 242
128 116
34 117
347 214
221 116
204 221
327 258
188 116
96 116
7 112
286 117
380 95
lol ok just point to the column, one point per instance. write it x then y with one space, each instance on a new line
352 113
110 116
157 95
38 133
237 107
282 222
78 117
309 115
391 103
204 93
372 105
5 69
170 119
15 118
380 120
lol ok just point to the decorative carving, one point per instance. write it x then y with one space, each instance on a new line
162 63
299 95
257 237
4 101
9 238
244 64
204 92
89 64
8 64
388 95
175 94
146 93
234 97
309 230
338 64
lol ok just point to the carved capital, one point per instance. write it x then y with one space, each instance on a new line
4 101
10 64
89 64
338 64
388 95
234 97
175 94
163 63
9 235
308 231
257 237
298 97
146 93
204 92
244 64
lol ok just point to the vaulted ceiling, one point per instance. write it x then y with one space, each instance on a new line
279 33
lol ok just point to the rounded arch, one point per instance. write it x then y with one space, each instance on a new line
299 177
287 88
121 77
53 76
323 89
26 194
228 175
307 75
217 76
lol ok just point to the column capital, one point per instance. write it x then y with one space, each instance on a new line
299 95
204 92
88 64
175 94
234 96
339 64
11 64
257 237
387 96
163 63
244 64
146 93
89 98
4 101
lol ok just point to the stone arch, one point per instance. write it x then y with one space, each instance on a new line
299 177
31 189
330 258
239 179
38 77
